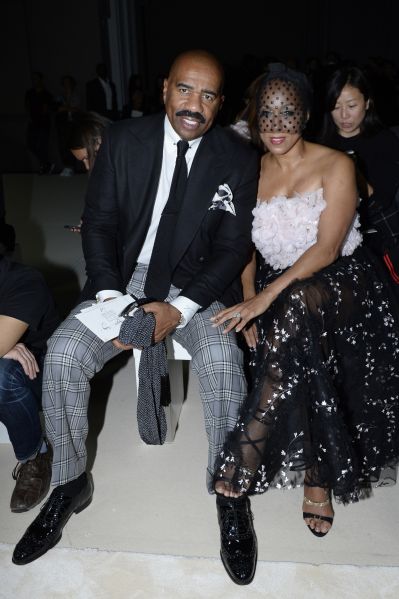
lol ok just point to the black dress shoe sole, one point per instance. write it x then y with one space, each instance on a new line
239 580
44 550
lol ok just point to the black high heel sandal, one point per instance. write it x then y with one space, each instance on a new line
329 519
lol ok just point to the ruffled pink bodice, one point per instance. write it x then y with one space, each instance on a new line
284 228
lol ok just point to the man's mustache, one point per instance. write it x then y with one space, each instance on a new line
193 115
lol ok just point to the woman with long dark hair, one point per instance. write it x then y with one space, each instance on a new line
352 125
86 135
84 141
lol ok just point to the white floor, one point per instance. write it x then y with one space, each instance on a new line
151 530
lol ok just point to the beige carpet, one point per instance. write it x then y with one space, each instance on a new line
88 574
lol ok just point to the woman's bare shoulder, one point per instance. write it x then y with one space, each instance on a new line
328 157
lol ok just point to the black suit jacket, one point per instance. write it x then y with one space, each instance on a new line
209 248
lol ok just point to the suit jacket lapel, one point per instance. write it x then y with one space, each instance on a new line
143 169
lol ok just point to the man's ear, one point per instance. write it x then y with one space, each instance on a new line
221 102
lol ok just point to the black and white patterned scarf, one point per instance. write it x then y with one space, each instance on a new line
154 389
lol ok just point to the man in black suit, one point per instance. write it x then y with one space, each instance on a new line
101 94
209 244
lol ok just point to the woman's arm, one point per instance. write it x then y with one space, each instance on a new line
248 278
250 332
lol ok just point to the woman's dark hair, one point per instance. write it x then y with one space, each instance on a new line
277 71
86 132
355 77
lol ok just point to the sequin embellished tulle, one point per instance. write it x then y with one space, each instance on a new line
325 396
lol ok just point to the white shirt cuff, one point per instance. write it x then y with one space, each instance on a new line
187 308
101 296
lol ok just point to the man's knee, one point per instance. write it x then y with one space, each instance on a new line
222 357
57 343
12 378
68 341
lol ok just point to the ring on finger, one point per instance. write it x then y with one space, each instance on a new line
237 315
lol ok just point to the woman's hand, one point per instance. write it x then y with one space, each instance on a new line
251 335
241 314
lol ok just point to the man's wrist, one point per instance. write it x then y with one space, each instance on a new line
187 309
105 294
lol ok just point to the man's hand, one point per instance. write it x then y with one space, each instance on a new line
167 318
21 354
119 345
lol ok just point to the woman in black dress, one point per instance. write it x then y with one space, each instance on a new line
324 408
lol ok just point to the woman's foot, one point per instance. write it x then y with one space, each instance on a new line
317 510
225 488
233 481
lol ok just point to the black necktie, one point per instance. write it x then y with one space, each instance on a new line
159 272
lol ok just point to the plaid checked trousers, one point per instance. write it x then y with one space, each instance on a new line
75 355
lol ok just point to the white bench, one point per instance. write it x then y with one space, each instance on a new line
3 434
176 356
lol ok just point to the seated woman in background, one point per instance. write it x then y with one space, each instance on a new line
351 125
84 142
86 136
240 126
324 408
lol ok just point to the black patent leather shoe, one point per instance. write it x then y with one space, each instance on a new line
46 529
238 545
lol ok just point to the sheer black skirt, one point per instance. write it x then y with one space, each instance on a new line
325 393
